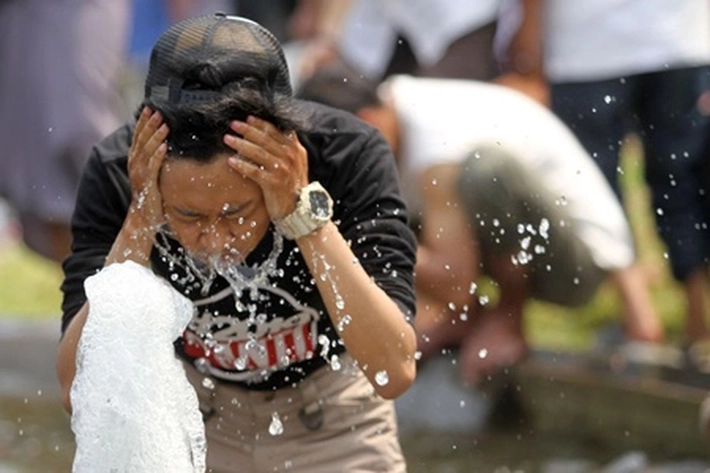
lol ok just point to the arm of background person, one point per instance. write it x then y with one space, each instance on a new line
447 256
523 64
318 24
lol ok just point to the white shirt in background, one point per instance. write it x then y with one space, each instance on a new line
604 39
371 27
443 120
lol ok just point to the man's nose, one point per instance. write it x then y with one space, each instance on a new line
216 237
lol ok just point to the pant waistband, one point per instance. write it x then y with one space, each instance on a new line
305 397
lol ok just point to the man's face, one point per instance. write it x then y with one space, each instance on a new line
216 214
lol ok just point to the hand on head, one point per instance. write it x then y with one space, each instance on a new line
275 160
145 159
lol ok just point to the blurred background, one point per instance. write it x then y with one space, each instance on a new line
72 71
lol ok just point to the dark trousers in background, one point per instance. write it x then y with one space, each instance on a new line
663 109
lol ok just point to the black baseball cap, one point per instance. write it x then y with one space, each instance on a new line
195 58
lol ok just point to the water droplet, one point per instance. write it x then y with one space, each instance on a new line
207 383
324 342
382 378
344 321
276 427
335 364
483 299
523 257
240 363
202 365
472 288
482 353
339 302
525 243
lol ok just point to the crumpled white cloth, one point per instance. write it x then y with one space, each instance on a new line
133 407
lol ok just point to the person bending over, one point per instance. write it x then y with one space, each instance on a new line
500 188
282 221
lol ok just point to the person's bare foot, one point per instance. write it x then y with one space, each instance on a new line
644 329
495 342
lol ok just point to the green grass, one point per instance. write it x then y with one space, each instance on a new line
29 284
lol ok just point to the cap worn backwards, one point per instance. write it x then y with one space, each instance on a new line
195 59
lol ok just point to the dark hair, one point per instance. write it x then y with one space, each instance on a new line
207 71
197 129
340 86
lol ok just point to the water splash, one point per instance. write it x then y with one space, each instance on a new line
276 427
382 378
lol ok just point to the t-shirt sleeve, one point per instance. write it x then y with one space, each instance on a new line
100 209
370 211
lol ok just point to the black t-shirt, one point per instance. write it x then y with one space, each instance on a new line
279 332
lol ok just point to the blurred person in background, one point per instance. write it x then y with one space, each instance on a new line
501 188
447 38
616 67
61 60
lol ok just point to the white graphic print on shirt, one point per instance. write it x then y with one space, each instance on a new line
249 350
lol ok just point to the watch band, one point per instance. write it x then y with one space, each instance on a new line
314 209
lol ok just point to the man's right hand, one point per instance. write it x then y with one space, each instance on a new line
145 213
145 159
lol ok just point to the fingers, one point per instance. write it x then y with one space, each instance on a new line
149 134
275 160
264 135
147 154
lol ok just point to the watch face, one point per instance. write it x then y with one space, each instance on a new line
319 204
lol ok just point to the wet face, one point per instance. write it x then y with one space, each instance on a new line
214 212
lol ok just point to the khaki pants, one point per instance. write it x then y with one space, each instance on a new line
332 422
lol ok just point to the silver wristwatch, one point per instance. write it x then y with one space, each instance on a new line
313 210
